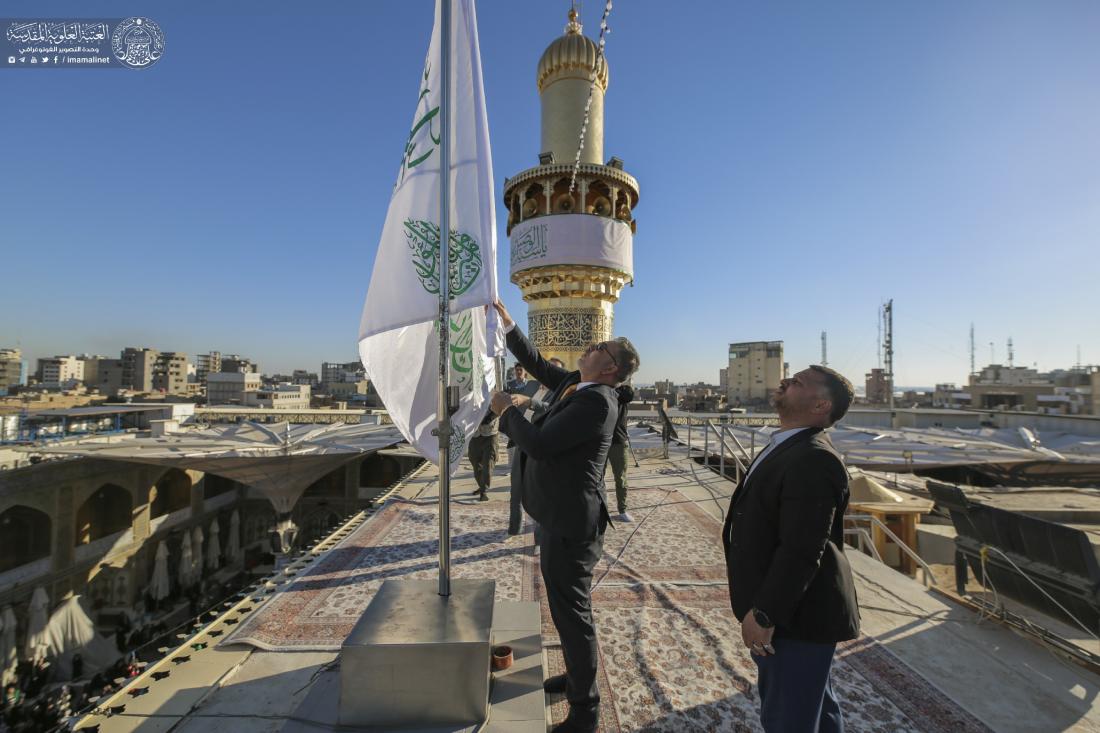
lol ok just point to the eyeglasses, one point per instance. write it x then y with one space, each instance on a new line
602 346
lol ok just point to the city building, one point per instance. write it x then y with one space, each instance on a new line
103 374
1061 391
724 380
137 368
361 393
571 239
341 372
754 372
1009 388
950 396
279 397
237 363
301 376
12 369
206 364
876 389
170 373
60 372
231 388
91 368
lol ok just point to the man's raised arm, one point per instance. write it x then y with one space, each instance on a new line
526 354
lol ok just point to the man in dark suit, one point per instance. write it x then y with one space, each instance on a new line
562 457
790 584
535 396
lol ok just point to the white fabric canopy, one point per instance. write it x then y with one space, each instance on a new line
187 563
233 546
69 628
9 654
279 460
196 553
36 626
160 585
213 548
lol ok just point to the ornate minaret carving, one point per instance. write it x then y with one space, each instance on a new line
572 251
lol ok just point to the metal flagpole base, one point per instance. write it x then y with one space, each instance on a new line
418 658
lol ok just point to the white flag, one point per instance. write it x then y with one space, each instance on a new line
398 340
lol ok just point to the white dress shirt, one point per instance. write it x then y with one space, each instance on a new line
777 438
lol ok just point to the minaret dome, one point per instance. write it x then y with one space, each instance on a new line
564 79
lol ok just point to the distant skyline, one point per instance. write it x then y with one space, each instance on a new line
798 165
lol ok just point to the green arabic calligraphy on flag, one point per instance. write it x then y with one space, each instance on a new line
398 336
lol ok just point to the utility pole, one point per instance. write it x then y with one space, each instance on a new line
1011 353
825 353
888 351
973 369
992 354
878 339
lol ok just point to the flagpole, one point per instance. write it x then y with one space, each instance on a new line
444 299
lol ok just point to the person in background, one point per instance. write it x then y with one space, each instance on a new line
482 453
620 451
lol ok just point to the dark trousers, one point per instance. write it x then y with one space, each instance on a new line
515 505
796 694
515 498
567 572
483 455
617 457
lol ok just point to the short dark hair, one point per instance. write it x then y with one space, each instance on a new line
627 359
840 391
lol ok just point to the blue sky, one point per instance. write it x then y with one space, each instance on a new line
798 162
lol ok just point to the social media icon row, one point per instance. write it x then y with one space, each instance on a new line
33 59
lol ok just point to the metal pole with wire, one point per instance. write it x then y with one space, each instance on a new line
444 405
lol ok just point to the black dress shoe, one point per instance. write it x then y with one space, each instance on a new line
580 720
555 685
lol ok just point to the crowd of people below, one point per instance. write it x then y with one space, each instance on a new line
41 697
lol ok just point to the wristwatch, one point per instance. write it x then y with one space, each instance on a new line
762 619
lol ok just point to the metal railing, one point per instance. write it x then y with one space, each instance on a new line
742 458
866 544
929 579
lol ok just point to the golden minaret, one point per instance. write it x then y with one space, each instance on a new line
571 250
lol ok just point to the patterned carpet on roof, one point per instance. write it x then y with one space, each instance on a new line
671 657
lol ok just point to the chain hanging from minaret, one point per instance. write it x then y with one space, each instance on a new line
570 219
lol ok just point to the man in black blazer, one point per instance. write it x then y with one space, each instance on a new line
562 457
790 584
534 402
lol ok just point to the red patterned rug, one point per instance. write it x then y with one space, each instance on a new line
318 609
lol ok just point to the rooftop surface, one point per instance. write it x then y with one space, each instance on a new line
671 656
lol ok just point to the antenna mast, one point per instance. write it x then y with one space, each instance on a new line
1011 353
878 339
825 353
888 347
973 370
